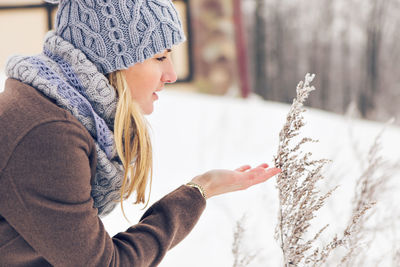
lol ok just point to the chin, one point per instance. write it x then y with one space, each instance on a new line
148 110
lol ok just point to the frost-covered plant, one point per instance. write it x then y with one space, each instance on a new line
396 258
370 186
299 198
241 258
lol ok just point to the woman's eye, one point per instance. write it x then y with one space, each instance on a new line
161 58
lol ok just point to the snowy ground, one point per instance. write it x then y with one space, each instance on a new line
194 133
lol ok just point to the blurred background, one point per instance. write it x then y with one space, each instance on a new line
242 47
351 45
238 54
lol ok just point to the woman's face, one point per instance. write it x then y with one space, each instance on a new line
148 77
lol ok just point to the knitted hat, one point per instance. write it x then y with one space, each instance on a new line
116 34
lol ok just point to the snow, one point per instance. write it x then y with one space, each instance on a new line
193 133
2 80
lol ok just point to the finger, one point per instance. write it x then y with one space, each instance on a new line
263 165
260 175
272 172
243 168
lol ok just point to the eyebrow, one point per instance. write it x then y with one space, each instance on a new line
169 50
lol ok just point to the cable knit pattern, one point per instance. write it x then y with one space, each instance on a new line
115 34
77 101
64 74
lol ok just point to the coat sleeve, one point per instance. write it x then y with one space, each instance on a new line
46 198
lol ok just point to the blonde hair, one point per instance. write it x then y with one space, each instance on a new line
132 141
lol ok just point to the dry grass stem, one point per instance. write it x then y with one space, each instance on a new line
241 258
299 198
370 186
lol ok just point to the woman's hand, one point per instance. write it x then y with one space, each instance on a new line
217 182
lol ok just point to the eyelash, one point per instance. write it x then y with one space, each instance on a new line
161 58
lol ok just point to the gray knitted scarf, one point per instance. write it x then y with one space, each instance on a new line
64 74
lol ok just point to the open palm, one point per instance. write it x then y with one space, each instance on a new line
219 181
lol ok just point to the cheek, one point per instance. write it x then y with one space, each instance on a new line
144 84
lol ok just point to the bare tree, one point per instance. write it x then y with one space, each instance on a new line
372 56
326 52
351 44
261 84
345 57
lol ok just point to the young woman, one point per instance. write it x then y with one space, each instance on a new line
74 142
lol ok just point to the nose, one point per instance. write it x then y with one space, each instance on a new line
169 75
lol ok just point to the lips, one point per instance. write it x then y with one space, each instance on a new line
161 88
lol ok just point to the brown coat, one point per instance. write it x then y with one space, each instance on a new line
47 160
